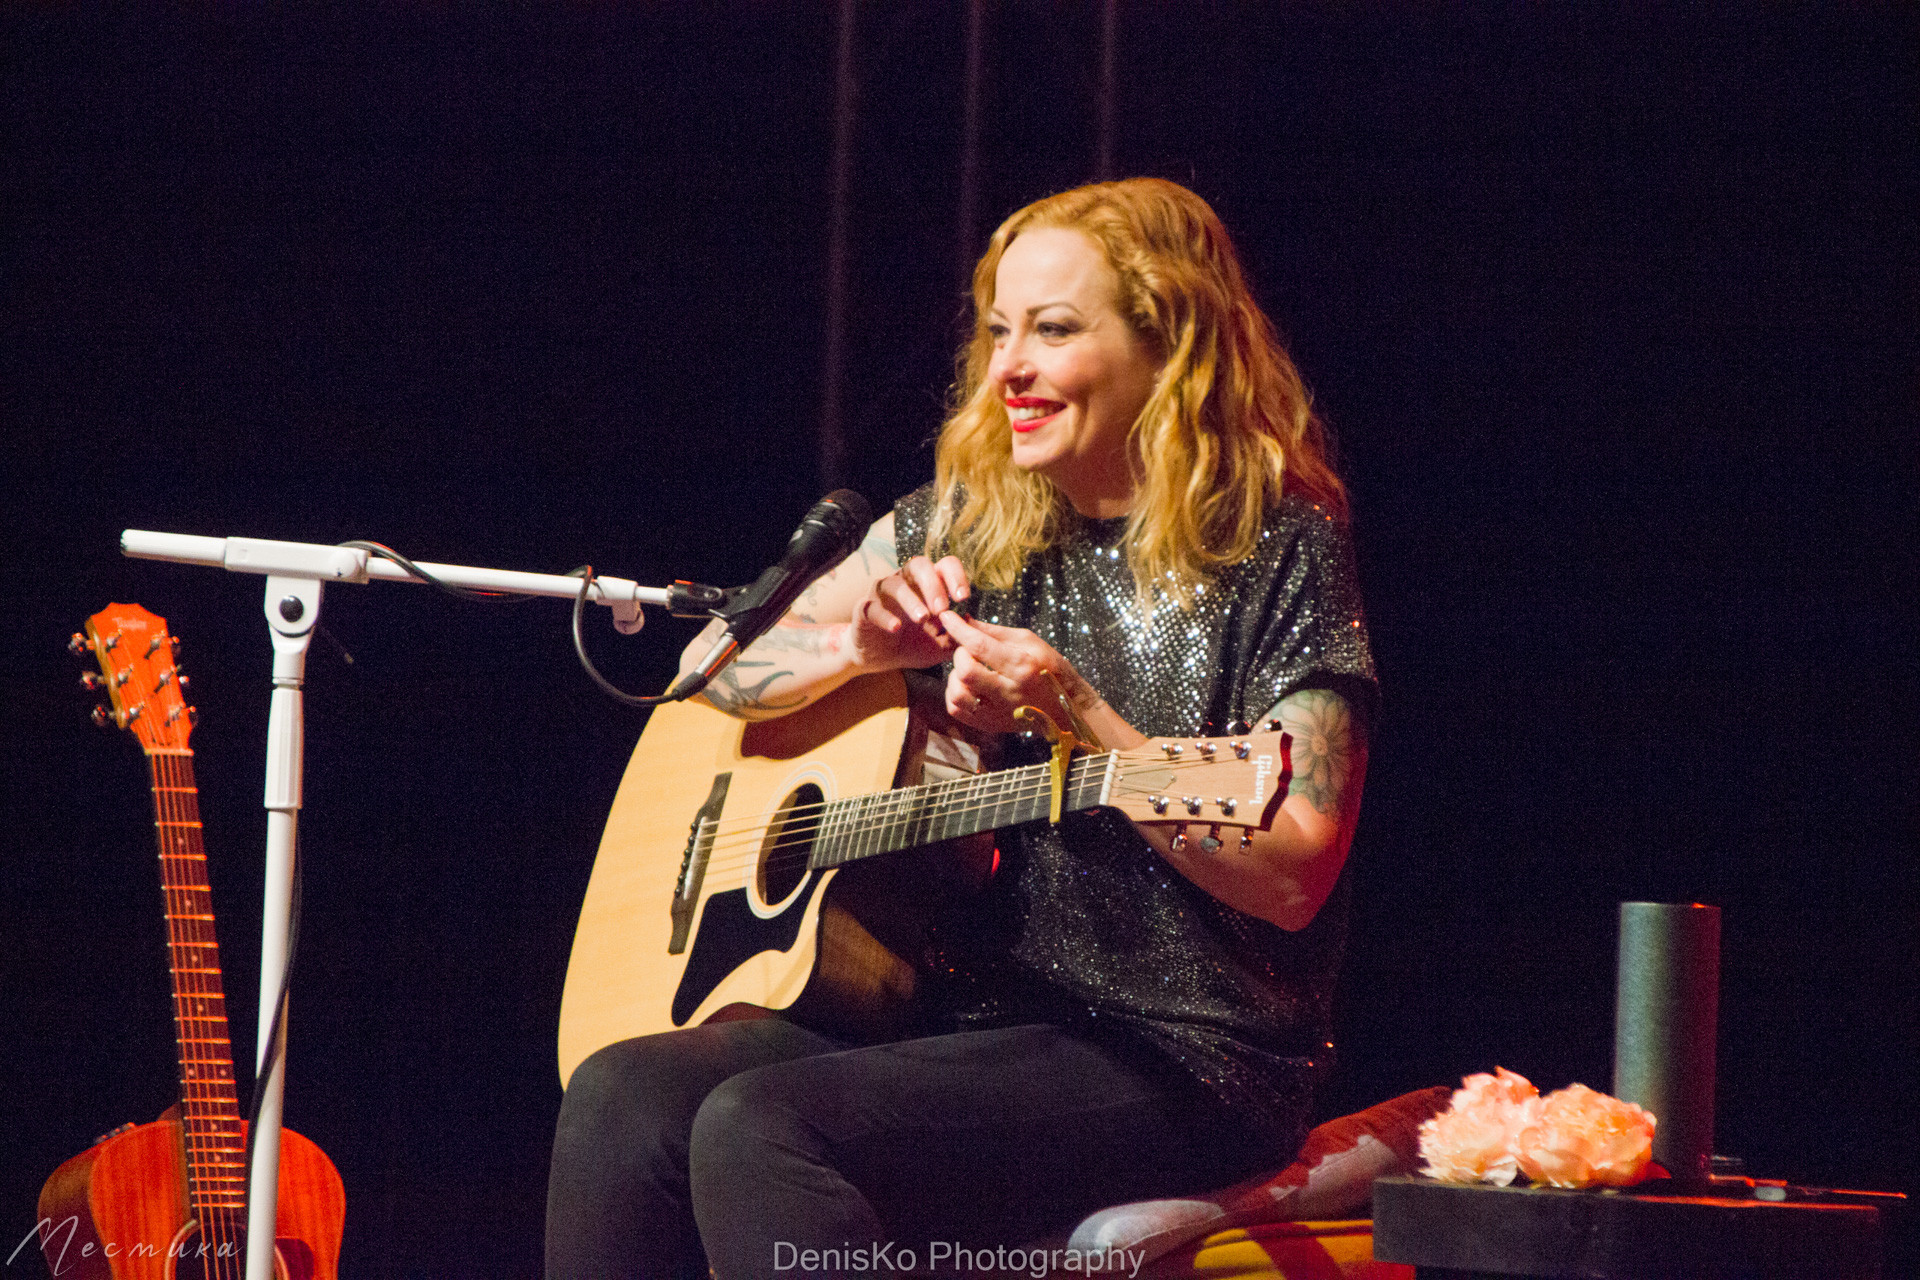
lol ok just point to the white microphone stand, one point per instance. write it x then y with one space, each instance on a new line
295 573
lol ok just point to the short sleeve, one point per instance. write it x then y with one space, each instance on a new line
1308 629
912 515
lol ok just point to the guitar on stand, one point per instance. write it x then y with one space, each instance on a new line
168 1200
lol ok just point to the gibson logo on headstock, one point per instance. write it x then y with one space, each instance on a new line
1262 770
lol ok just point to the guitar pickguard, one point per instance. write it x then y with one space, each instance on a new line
730 934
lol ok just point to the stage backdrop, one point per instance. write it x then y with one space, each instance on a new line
1611 310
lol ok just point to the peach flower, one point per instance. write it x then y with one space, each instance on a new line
1580 1138
1472 1140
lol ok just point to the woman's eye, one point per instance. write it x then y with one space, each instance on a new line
1053 329
997 332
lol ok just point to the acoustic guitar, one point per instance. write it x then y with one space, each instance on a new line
168 1199
739 870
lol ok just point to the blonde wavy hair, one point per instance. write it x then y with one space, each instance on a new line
1228 427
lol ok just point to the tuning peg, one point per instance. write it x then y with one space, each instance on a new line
91 680
101 716
77 646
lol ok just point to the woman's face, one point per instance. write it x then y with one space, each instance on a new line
1072 372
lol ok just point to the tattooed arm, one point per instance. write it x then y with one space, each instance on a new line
870 614
1289 869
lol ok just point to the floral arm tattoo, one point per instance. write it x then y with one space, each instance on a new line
1327 747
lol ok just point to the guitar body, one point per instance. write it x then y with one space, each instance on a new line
126 1197
758 938
739 870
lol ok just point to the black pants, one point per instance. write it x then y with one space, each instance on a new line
774 1139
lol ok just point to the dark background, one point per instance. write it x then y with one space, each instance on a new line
1612 308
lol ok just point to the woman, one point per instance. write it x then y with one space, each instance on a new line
1132 514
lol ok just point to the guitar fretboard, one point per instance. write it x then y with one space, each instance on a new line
865 826
210 1111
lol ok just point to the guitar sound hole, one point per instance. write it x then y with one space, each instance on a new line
195 1255
790 836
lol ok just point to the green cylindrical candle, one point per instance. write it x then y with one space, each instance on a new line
1666 1018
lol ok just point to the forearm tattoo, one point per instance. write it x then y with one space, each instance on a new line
741 689
737 697
1326 747
878 553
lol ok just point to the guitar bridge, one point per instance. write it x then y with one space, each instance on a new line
693 863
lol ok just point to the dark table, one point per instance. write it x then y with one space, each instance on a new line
1453 1232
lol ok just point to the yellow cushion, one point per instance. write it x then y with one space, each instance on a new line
1340 1250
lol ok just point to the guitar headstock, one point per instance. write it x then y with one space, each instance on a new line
140 676
1213 782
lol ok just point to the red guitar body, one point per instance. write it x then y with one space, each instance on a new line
118 1211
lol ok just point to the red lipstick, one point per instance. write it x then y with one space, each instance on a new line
1024 425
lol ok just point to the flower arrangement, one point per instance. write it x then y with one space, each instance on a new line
1499 1127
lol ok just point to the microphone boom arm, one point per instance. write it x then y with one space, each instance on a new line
358 565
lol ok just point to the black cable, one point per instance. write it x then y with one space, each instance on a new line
466 593
276 1031
585 574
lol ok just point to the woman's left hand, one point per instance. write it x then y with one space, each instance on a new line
998 669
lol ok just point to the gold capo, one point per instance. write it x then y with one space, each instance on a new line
1064 743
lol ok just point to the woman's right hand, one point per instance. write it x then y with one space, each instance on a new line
898 623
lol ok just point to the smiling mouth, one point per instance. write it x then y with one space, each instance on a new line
1027 413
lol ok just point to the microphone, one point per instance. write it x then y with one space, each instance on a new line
827 535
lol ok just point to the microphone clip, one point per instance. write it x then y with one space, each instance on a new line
698 600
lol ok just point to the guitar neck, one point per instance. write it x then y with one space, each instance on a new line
883 822
210 1111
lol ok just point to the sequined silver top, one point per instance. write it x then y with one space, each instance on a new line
1085 924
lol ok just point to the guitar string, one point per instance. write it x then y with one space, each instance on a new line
903 796
879 809
745 851
731 852
171 813
731 826
739 869
190 942
877 816
193 953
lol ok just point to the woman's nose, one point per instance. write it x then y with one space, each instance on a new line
1010 369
